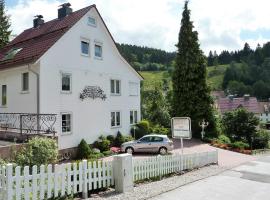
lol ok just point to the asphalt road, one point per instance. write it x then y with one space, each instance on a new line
250 181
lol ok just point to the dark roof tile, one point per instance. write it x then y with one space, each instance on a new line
36 41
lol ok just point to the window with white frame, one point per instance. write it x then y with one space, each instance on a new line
85 47
98 50
4 95
66 82
25 82
115 87
133 89
66 123
115 119
92 21
133 117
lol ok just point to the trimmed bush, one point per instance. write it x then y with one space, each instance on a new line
161 130
141 129
261 140
102 144
144 125
240 145
111 138
224 139
84 150
119 139
128 138
38 151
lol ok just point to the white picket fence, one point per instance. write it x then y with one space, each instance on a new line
54 181
162 165
44 182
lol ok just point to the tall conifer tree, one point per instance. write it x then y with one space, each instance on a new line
4 25
191 95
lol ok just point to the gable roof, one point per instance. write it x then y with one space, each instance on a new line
227 104
34 42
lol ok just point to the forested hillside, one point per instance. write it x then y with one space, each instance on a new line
248 72
147 59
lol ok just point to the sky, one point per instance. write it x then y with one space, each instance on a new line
221 24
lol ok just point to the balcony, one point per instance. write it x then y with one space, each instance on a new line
19 127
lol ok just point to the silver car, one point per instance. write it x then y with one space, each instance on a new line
149 143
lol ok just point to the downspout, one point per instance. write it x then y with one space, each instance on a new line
38 91
38 96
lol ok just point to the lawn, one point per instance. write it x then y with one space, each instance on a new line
215 75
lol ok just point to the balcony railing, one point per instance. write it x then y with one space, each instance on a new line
28 123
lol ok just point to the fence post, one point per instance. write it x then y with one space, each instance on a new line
123 173
9 182
85 180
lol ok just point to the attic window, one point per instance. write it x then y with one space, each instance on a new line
92 21
12 53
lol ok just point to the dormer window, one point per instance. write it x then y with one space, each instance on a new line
92 21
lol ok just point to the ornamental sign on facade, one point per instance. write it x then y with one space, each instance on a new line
92 92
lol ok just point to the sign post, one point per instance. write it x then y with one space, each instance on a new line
181 129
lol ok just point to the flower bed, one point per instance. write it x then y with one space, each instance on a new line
229 147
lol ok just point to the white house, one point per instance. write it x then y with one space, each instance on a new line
71 67
264 112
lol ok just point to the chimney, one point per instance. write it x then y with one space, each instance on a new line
38 21
246 97
64 10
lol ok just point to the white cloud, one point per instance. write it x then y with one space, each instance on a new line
156 23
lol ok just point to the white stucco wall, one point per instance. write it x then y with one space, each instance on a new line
265 117
90 118
18 101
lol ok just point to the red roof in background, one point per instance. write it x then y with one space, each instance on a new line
226 104
36 41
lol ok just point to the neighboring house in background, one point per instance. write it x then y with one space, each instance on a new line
216 95
231 103
264 112
70 66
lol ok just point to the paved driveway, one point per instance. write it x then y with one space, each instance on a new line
250 181
226 158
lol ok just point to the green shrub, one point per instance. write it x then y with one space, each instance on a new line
95 156
107 153
224 139
102 144
144 124
128 138
119 139
111 138
38 151
2 162
84 150
141 129
240 125
161 130
240 145
261 140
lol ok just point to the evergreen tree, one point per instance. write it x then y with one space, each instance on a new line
210 59
4 25
191 95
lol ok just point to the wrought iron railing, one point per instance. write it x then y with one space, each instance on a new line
28 123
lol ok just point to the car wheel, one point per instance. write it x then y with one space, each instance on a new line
129 150
163 150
